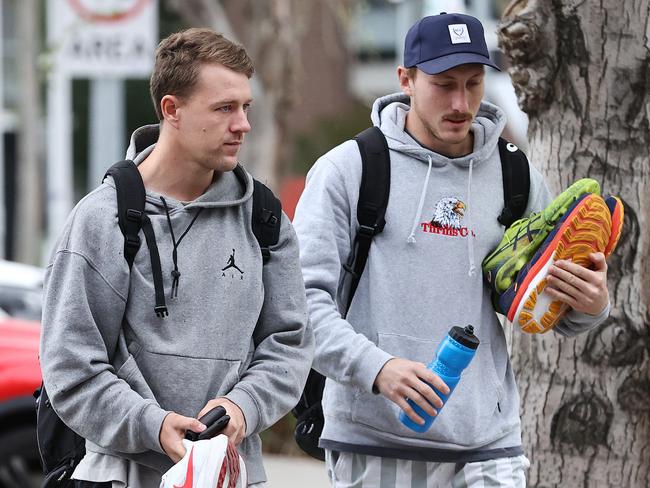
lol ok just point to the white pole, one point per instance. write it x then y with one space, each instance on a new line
59 154
106 127
27 240
3 210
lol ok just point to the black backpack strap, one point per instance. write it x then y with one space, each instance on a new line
130 205
265 218
371 209
160 308
131 218
516 182
373 200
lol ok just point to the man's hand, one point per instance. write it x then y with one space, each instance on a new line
584 290
236 428
400 379
172 433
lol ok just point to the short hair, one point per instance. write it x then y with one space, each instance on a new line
180 56
411 72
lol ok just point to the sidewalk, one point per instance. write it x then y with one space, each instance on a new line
294 472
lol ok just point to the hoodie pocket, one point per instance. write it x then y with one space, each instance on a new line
467 419
185 384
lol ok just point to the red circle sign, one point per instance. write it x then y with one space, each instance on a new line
121 10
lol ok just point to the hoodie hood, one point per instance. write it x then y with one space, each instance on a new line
228 189
389 114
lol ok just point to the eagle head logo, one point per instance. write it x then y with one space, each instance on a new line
449 212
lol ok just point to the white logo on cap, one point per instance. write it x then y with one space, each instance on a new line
459 34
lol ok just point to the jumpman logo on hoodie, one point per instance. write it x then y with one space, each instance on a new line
231 263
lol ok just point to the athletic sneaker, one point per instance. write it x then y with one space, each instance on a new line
617 212
524 237
584 229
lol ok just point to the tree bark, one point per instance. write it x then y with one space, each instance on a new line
581 70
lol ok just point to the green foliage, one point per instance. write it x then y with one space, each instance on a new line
326 133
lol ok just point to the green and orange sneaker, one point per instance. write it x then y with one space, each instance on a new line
617 212
585 228
523 238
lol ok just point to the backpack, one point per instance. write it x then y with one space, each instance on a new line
60 448
371 208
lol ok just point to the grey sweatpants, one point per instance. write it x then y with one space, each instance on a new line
351 470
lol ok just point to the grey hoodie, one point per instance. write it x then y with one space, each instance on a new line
417 283
113 369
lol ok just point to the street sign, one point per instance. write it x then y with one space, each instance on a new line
94 38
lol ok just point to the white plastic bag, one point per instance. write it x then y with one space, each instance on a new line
210 463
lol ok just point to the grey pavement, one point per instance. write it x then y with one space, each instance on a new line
294 472
282 472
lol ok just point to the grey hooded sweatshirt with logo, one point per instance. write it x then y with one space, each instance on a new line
113 369
418 282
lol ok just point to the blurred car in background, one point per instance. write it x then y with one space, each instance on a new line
21 288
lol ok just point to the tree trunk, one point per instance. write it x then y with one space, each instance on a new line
581 70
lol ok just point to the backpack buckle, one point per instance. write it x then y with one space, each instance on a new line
132 242
161 311
268 217
134 215
367 230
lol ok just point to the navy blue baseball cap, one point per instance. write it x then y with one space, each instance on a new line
440 42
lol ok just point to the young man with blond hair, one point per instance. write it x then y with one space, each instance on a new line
131 381
417 283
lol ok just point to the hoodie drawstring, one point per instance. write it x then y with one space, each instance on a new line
416 222
470 237
176 275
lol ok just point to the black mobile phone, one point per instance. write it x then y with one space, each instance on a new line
215 421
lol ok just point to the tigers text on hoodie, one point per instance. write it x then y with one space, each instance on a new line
422 277
236 329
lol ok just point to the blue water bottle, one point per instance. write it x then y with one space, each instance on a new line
453 356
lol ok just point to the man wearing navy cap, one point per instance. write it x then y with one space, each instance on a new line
422 276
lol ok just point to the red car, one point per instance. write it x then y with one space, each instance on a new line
20 374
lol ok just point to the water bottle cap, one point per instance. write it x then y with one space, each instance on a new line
464 336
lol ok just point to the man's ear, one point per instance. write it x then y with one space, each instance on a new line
169 107
405 81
